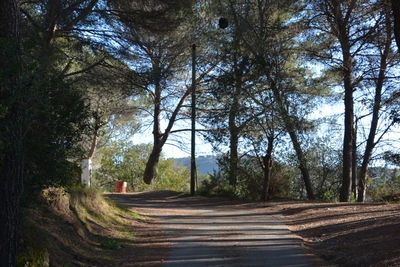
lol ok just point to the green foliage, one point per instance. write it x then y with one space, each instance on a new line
123 161
383 184
109 243
58 117
330 196
250 181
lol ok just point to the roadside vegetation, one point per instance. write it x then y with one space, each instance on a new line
74 227
124 161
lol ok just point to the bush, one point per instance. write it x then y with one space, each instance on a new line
124 161
249 181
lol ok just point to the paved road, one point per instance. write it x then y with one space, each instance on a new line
217 232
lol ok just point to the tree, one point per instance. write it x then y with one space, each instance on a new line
111 94
123 161
278 65
355 29
343 24
223 101
383 45
13 126
162 54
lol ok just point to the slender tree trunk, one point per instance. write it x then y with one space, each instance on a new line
375 114
12 130
354 172
267 162
233 146
233 113
290 128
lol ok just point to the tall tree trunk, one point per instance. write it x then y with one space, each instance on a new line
396 16
291 129
375 114
233 113
267 165
347 141
341 29
11 135
354 172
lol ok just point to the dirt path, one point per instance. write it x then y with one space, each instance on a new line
216 232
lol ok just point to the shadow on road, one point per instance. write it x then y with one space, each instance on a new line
216 232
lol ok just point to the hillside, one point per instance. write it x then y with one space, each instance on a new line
205 164
79 227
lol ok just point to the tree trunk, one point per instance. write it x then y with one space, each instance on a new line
354 172
11 135
86 164
341 29
396 16
290 128
154 157
160 138
375 114
233 150
152 162
234 130
347 145
267 162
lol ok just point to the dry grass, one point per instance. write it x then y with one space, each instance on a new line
75 228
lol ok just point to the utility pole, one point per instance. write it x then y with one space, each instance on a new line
222 23
193 146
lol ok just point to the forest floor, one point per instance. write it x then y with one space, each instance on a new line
340 234
347 234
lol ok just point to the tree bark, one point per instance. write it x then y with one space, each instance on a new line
233 144
290 128
267 165
375 114
86 165
396 21
152 162
354 178
340 29
159 139
12 123
234 129
154 157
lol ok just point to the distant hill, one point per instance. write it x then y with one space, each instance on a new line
205 164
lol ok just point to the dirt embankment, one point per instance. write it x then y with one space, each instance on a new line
347 234
79 227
